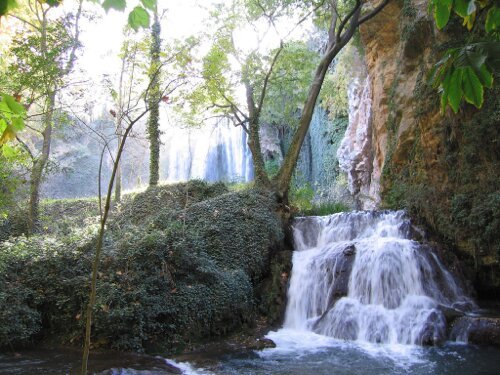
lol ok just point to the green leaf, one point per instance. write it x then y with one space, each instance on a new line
139 17
114 4
6 6
468 57
8 134
442 10
485 76
149 4
15 107
460 7
17 124
54 3
8 151
492 19
455 89
472 88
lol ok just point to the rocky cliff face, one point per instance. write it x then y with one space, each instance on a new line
442 168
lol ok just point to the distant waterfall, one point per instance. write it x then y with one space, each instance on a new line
359 276
216 152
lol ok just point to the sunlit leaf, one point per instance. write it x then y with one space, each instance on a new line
469 21
15 107
6 6
442 10
139 17
8 134
149 4
472 88
8 151
114 4
54 3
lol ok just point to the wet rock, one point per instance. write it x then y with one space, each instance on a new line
262 343
350 250
477 330
434 331
450 313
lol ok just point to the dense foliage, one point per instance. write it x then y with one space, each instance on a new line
187 266
465 71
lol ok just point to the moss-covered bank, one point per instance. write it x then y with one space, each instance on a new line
182 263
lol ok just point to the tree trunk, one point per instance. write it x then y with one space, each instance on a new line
285 174
118 185
100 240
336 42
261 178
39 167
153 102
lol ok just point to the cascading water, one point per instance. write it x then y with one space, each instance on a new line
216 152
359 276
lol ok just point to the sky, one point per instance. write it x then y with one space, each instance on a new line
102 38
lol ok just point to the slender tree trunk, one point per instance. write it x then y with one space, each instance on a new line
285 174
38 168
100 240
153 102
340 33
336 41
118 184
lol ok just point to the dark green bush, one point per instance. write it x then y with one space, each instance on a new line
182 272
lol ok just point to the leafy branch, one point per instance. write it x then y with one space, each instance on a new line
464 72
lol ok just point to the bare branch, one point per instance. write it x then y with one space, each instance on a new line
374 12
26 148
24 21
344 22
266 79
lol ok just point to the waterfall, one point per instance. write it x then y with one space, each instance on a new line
215 152
360 276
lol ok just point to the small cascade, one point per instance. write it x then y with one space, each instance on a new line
359 276
216 152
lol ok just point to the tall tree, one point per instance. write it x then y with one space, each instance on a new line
45 52
342 27
256 71
154 100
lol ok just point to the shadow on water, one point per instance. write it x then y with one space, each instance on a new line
55 362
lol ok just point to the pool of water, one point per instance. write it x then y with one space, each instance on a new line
296 353
306 353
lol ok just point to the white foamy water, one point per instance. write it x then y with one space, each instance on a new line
187 368
358 276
